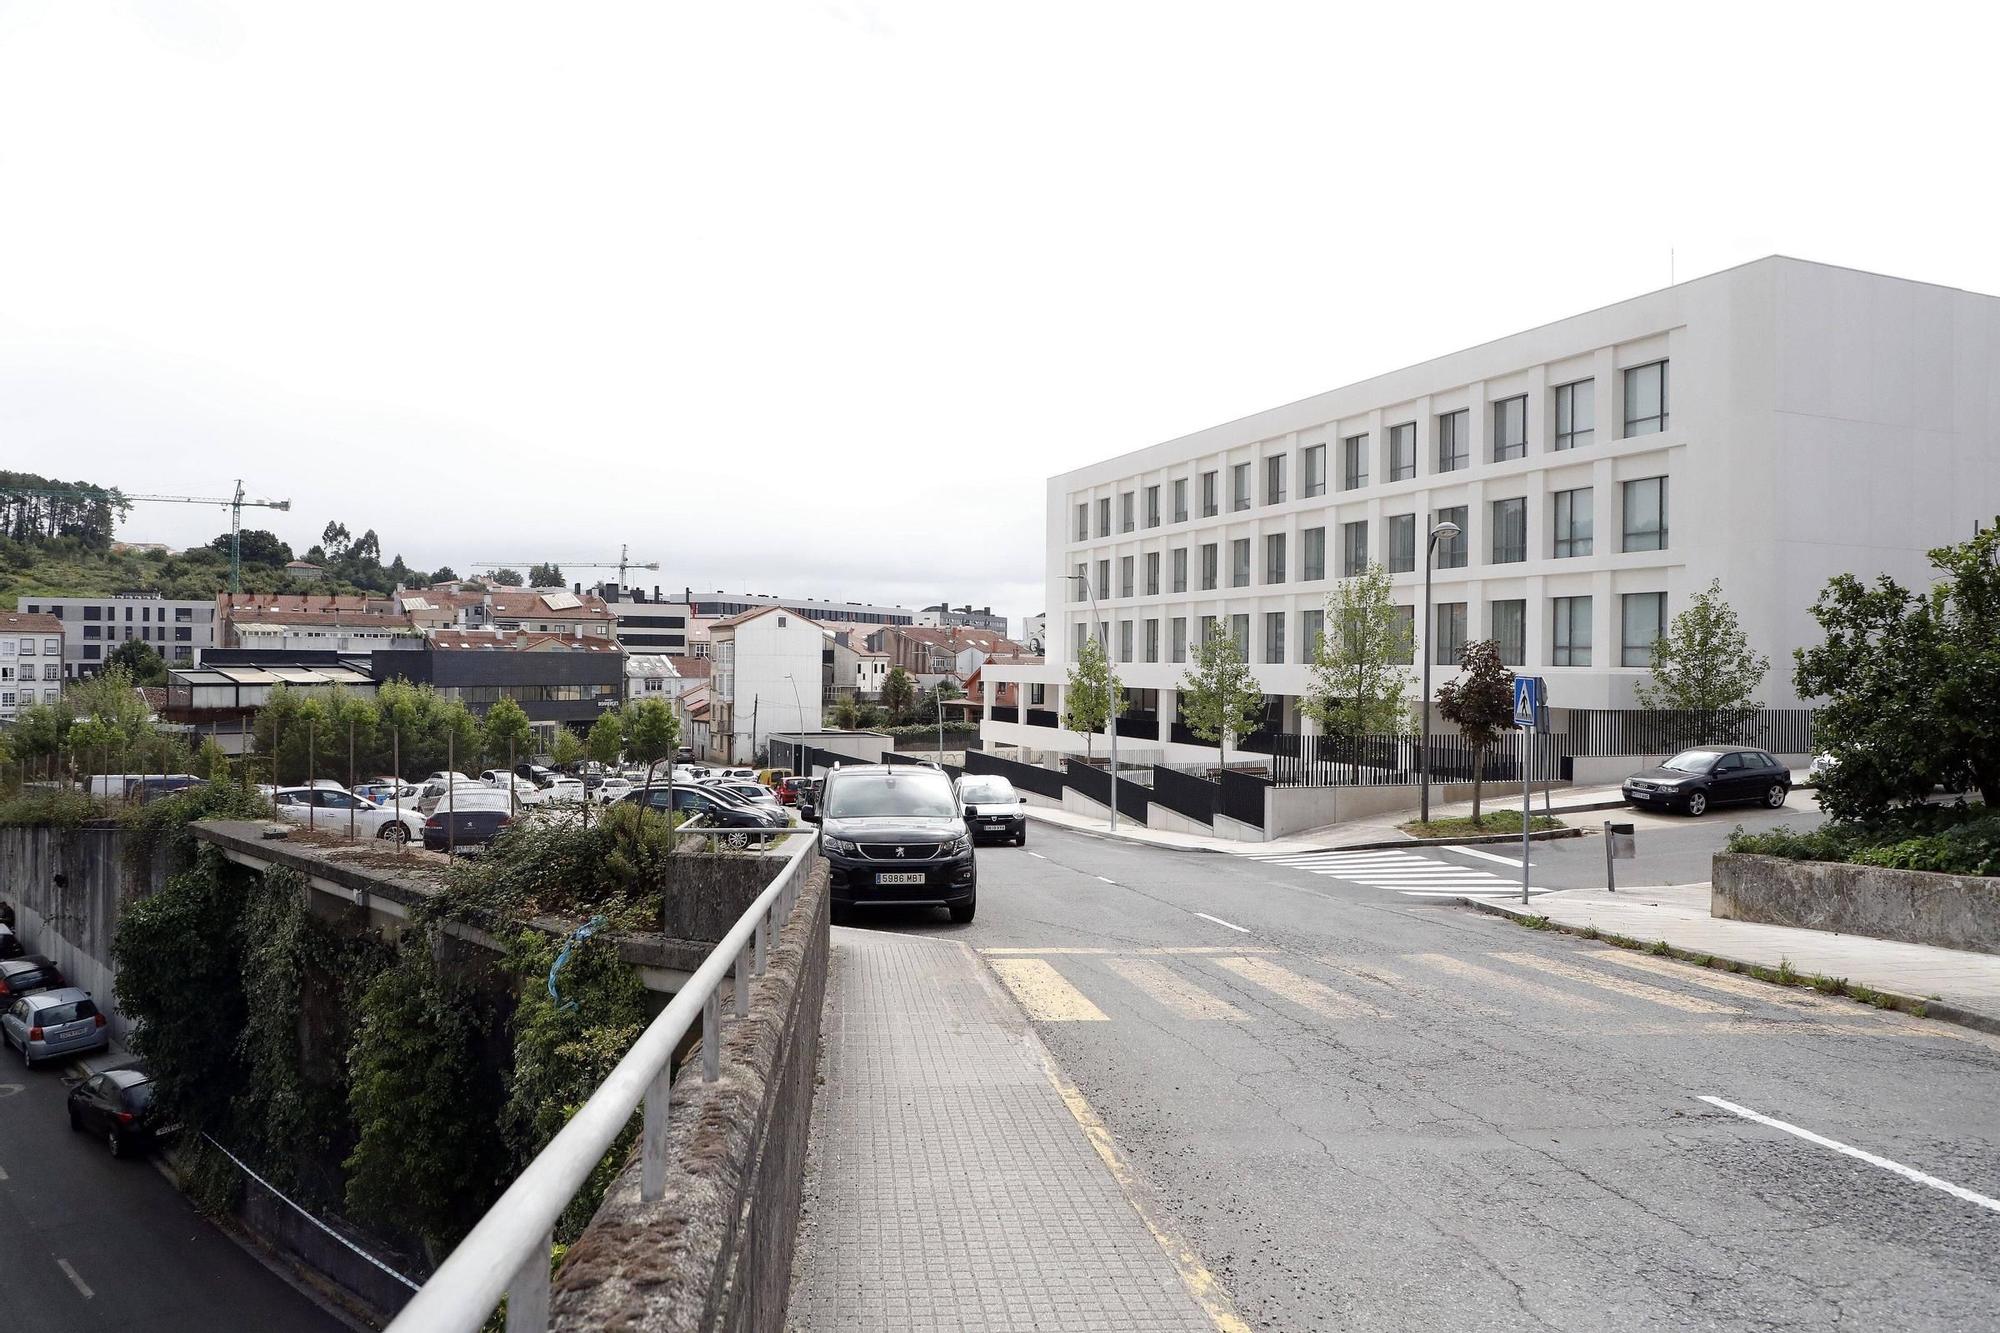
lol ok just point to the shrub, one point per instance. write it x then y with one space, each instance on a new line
615 866
1949 839
63 807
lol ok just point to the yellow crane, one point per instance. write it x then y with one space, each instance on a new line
234 504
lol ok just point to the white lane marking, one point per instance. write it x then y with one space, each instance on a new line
1488 856
1220 922
1038 856
1907 1172
76 1281
1112 882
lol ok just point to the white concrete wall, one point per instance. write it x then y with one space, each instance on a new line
769 648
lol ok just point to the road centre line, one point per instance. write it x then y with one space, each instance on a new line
1038 856
1220 922
1907 1172
1488 856
1112 882
1004 950
77 1282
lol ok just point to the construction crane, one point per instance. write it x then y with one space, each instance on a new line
621 564
235 505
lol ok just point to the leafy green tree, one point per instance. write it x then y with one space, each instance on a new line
41 731
445 574
1480 703
1089 693
1219 695
1907 682
1704 664
507 578
507 731
137 656
899 693
545 576
334 539
652 731
567 750
846 713
258 546
210 761
607 738
1360 666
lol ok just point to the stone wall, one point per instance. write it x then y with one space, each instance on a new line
715 1253
1914 906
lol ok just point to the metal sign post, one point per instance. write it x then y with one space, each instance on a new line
1531 715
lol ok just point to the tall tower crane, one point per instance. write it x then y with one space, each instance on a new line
621 564
234 504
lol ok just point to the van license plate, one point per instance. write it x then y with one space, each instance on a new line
900 877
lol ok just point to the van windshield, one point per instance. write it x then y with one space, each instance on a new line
862 795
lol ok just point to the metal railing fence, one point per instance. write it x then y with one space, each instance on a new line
507 1252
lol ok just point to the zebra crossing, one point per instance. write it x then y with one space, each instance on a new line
1409 873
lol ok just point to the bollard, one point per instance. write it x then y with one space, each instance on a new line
1617 847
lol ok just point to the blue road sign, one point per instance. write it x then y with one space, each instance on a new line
1531 703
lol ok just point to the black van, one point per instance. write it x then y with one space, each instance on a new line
893 836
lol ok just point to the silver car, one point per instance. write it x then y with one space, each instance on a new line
53 1025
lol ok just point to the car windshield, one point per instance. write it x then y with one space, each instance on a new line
1693 761
986 789
861 795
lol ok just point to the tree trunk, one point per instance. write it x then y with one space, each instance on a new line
1478 775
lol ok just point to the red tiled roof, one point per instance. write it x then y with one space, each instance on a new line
756 611
692 668
30 622
517 604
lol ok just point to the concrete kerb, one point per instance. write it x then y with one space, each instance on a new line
1909 1004
1252 848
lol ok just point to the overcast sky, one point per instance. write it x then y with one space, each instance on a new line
812 297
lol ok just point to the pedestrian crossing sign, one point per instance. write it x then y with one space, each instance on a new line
1531 707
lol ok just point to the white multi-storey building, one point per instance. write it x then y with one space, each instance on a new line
1769 426
31 659
179 630
768 676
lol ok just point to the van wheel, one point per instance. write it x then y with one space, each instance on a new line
736 842
116 1142
1021 838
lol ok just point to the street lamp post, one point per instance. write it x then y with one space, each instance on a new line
1104 641
1447 531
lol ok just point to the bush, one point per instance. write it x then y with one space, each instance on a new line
164 820
1947 839
63 807
616 866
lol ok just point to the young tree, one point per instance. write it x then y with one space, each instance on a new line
507 731
607 738
652 732
545 576
846 715
899 692
567 750
1361 665
146 666
1089 694
210 761
1908 682
1480 703
1704 665
1220 696
507 578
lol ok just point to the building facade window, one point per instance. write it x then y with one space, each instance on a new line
1239 634
1239 486
1152 573
1177 638
1152 506
1124 640
1448 640
1354 462
1104 517
1274 636
1574 522
1314 559
1274 557
1510 531
1152 640
1454 440
1079 587
1104 580
1570 638
1239 563
1207 628
1210 485
1274 479
1646 514
1124 576
1083 521
1644 615
1312 628
1510 630
1128 505
1315 465
1180 500
1353 548
1452 550
1180 569
1646 399
1208 558
1576 414
1402 543
1403 451
1407 618
1510 428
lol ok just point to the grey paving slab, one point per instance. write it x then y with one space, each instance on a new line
949 1187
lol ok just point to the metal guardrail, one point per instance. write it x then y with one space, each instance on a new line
507 1253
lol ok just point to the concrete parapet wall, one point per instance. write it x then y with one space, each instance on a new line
715 1253
1914 906
73 924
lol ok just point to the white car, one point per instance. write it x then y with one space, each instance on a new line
434 792
564 790
612 789
336 811
734 775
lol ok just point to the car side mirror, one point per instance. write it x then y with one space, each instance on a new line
967 812
809 813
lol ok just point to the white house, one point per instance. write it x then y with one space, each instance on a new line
179 630
767 666
1769 426
31 661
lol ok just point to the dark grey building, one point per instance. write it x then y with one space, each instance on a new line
570 681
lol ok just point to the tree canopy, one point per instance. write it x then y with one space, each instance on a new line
1360 666
652 731
1704 664
1219 696
138 657
1480 703
1089 693
899 693
507 578
258 546
545 576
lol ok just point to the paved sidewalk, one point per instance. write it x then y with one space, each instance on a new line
1955 985
948 1186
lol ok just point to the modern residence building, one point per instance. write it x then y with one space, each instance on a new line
944 615
679 622
1769 426
31 661
178 630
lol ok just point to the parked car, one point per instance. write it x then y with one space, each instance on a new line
6 913
1693 780
993 808
118 1106
474 819
157 785
54 1024
462 788
534 773
10 943
385 791
755 793
27 974
611 789
565 790
788 789
719 810
336 810
895 836
736 774
773 777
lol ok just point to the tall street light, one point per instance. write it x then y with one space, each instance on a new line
1104 641
1445 531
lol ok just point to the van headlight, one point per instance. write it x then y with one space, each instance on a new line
840 845
962 843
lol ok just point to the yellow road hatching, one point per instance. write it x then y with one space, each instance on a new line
1043 992
1302 991
1637 990
1169 989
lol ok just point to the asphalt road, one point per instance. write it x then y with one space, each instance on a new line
1373 1110
95 1243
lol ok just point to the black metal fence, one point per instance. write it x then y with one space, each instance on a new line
1028 777
1393 761
1242 797
1603 732
1185 794
1087 779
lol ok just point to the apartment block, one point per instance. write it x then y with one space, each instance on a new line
31 661
93 627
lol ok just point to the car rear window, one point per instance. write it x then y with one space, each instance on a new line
58 1014
28 978
138 1097
987 789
